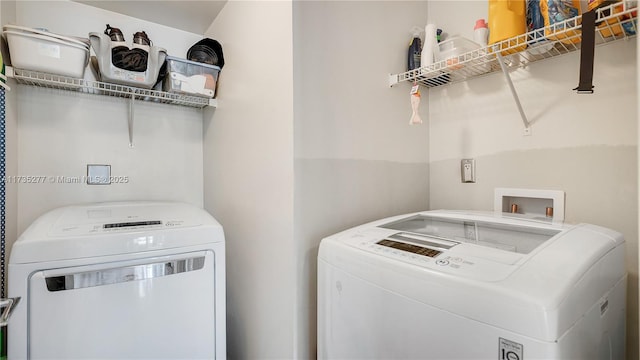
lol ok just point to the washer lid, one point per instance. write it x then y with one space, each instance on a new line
114 228
511 237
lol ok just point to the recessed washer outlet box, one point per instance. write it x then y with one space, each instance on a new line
547 205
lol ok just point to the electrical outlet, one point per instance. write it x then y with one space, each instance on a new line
468 170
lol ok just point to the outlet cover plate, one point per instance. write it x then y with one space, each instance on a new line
468 170
98 174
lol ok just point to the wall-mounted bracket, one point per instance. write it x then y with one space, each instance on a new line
130 119
503 66
393 79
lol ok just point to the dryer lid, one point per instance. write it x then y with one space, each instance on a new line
129 217
114 228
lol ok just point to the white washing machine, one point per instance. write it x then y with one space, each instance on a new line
455 285
131 280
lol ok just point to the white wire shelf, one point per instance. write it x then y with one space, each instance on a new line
614 22
35 78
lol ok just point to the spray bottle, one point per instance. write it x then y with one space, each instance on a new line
430 42
415 46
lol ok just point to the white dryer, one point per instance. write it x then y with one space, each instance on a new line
455 285
130 280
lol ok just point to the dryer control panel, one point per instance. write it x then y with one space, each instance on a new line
96 220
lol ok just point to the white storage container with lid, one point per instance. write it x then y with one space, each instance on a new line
41 50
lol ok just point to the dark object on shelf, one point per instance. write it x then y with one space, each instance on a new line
206 51
585 85
141 38
413 58
114 33
132 60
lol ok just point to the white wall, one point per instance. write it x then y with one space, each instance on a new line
353 161
585 145
248 160
356 156
59 133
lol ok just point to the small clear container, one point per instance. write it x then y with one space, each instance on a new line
190 77
452 48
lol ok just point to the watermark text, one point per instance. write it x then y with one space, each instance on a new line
60 179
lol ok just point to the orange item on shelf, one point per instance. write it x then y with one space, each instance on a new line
613 26
507 20
594 4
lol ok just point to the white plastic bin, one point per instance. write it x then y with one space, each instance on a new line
39 50
108 72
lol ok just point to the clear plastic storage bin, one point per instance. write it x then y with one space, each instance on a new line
452 48
190 77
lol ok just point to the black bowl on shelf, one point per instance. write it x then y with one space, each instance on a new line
206 51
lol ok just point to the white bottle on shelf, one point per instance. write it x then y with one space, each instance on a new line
481 36
481 33
430 42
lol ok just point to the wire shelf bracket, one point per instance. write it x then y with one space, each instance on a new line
514 93
130 120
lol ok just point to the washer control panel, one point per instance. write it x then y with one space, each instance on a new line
454 255
409 248
437 254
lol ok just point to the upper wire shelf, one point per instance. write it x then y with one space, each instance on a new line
614 22
29 77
